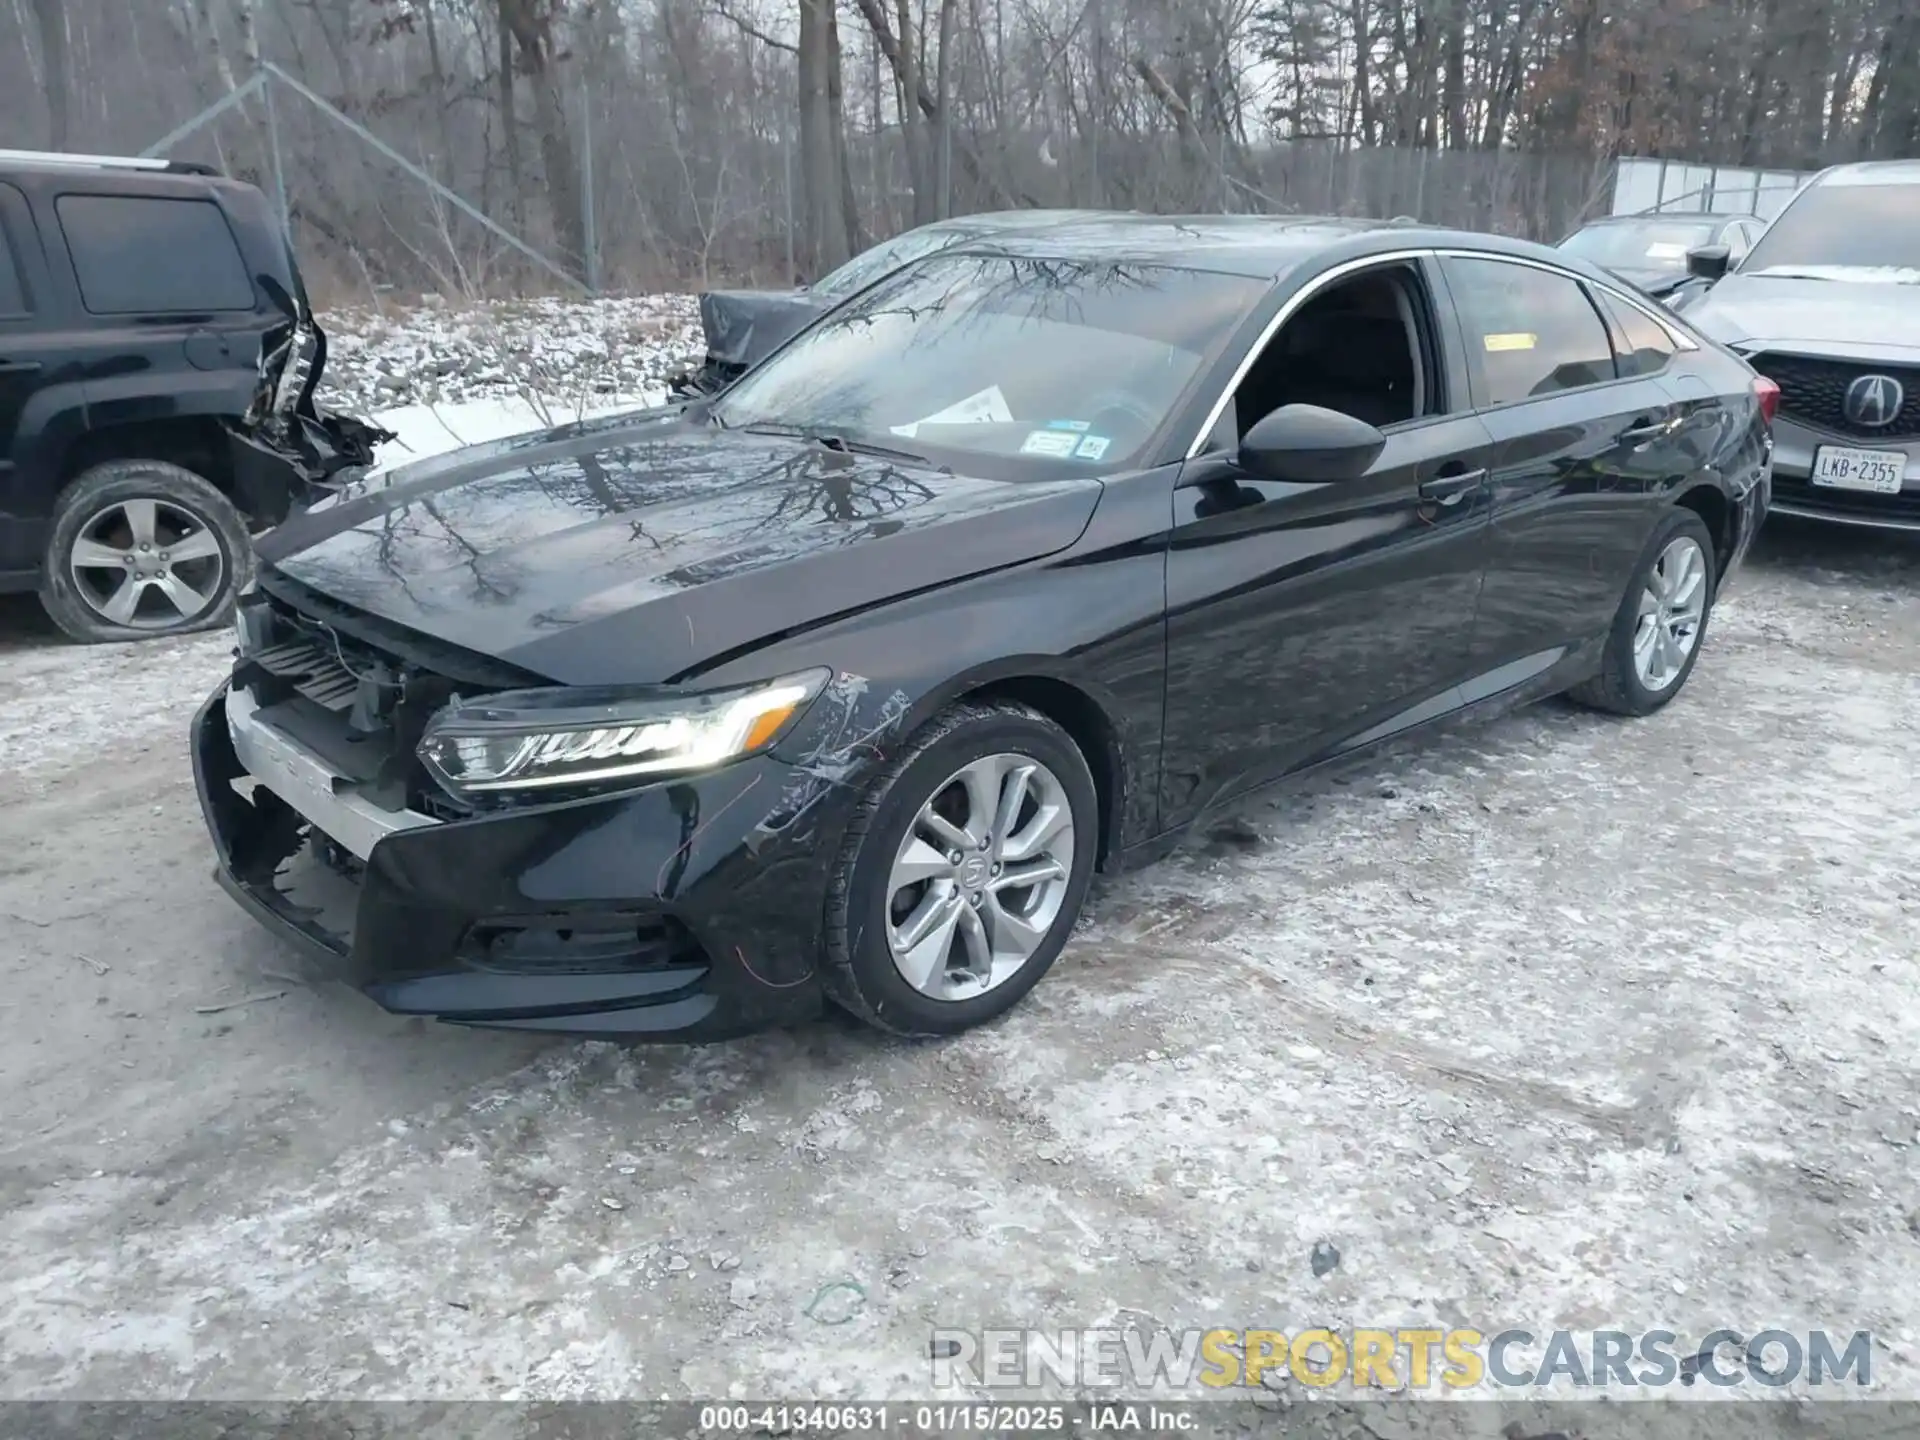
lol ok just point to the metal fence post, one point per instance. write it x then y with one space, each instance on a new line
279 170
786 161
590 238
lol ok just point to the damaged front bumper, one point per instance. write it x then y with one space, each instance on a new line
287 450
678 911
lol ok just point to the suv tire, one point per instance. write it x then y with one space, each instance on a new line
196 561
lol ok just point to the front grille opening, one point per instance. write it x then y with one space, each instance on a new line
1814 391
580 945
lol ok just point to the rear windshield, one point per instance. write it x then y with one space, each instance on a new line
139 254
1844 232
1638 245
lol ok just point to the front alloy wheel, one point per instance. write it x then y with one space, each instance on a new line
963 870
980 877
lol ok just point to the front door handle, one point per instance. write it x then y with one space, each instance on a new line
1449 489
18 367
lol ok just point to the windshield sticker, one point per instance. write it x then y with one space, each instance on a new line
1058 443
1079 427
1517 340
989 407
1666 250
1091 447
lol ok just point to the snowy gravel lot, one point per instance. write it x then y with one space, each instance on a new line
1559 1023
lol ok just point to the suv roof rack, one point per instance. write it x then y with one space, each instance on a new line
104 162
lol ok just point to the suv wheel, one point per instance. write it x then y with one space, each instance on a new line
141 548
963 872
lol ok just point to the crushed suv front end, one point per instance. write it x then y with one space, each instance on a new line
684 909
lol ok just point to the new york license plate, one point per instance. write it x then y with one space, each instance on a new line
1878 471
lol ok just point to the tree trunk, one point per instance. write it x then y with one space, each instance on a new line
823 181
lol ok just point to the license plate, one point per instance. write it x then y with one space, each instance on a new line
1879 471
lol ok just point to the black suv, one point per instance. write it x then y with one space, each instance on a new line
157 366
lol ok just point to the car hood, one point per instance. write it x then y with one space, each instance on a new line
743 327
638 548
1842 318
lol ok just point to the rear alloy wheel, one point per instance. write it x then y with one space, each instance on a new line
142 548
963 872
1656 633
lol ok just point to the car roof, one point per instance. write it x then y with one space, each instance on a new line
1871 172
1708 216
1257 246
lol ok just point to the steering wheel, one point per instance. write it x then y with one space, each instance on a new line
1124 420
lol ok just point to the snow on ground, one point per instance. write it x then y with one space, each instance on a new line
569 352
1558 1022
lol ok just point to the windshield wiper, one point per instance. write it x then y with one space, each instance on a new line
845 444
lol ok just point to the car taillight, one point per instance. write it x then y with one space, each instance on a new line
1768 394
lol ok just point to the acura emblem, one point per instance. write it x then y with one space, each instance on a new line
1874 400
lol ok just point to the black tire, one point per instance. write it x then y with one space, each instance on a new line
189 505
859 972
1616 688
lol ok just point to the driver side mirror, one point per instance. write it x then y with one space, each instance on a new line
1709 262
1310 445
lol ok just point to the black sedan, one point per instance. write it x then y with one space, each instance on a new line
841 685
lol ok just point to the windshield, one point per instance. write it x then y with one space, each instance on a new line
1640 244
1844 232
869 265
1009 361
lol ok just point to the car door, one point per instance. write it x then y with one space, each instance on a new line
1580 452
40 406
1306 618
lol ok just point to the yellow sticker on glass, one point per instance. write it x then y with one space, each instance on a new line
1515 341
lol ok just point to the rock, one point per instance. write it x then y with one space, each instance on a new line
1325 1258
677 1263
611 1203
720 1260
741 1292
1913 1223
1253 1267
1153 1055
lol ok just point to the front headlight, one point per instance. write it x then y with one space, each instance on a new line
545 739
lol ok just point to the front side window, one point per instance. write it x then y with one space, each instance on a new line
1848 228
1529 332
136 255
1011 366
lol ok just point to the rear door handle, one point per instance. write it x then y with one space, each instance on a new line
1646 430
1449 489
18 367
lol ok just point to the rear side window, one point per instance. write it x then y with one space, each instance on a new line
1643 347
1529 332
143 254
